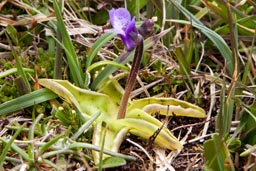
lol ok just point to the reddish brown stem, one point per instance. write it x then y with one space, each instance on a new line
132 77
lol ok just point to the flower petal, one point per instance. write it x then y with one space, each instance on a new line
131 27
120 32
122 24
128 42
119 18
127 39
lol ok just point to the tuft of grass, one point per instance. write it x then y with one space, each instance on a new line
72 58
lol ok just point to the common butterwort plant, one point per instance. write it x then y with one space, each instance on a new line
116 121
125 26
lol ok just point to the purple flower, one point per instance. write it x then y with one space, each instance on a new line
124 26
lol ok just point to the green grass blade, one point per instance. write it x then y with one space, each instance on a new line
184 66
15 52
134 7
217 154
96 47
13 160
13 34
249 151
100 63
21 152
74 65
14 70
27 100
31 149
86 125
59 152
8 145
213 36
102 146
76 145
52 165
109 70
49 144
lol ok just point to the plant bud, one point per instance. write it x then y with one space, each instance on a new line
147 28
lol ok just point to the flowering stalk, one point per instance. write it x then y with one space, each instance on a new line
145 30
124 26
132 76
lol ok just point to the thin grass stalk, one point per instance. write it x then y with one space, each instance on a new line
51 46
48 162
137 10
26 88
73 63
249 66
8 145
12 160
86 125
231 91
185 69
101 63
58 57
213 36
49 144
23 130
76 145
12 71
75 7
246 73
43 126
31 133
18 150
58 152
109 70
96 47
220 127
102 146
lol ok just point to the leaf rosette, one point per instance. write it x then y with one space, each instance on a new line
138 119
